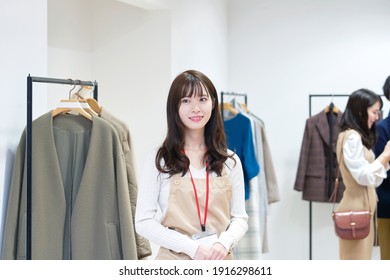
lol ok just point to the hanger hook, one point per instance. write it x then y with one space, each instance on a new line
78 92
74 85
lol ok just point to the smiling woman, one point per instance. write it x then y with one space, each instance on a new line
360 171
193 178
195 110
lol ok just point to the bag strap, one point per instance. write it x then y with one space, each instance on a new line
336 186
337 181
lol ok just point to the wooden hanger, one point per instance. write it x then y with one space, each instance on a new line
70 105
331 107
244 107
85 105
95 106
229 107
84 102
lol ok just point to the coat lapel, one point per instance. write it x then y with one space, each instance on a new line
322 127
45 136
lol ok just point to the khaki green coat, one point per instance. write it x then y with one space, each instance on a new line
100 224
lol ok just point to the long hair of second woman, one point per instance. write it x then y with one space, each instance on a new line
355 115
190 83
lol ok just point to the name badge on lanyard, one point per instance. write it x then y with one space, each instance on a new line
206 236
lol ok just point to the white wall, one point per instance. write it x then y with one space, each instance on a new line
126 50
199 38
279 53
23 52
131 60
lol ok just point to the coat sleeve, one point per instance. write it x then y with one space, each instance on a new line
269 170
127 230
303 157
143 246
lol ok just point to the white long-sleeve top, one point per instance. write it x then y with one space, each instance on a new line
365 173
152 203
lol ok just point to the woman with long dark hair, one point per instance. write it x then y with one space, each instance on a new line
193 179
361 172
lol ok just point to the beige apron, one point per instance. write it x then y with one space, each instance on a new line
355 198
182 215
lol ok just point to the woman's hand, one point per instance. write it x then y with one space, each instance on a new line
215 252
384 157
218 252
203 253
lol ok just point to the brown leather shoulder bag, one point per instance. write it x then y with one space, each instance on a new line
352 224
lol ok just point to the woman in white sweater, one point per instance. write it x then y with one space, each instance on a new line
191 190
361 171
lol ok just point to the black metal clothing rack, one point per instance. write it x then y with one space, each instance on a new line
30 81
232 94
310 203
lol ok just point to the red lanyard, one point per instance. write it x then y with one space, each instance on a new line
206 208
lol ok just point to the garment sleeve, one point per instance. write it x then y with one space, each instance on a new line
269 170
365 173
239 218
147 217
303 158
249 163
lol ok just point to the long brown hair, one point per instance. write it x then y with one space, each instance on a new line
190 83
355 115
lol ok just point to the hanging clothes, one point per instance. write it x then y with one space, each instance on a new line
143 246
264 191
264 157
314 179
250 246
240 140
87 195
267 182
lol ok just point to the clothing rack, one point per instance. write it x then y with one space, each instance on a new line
310 203
30 81
233 94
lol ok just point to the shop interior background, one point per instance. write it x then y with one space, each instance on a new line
278 52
